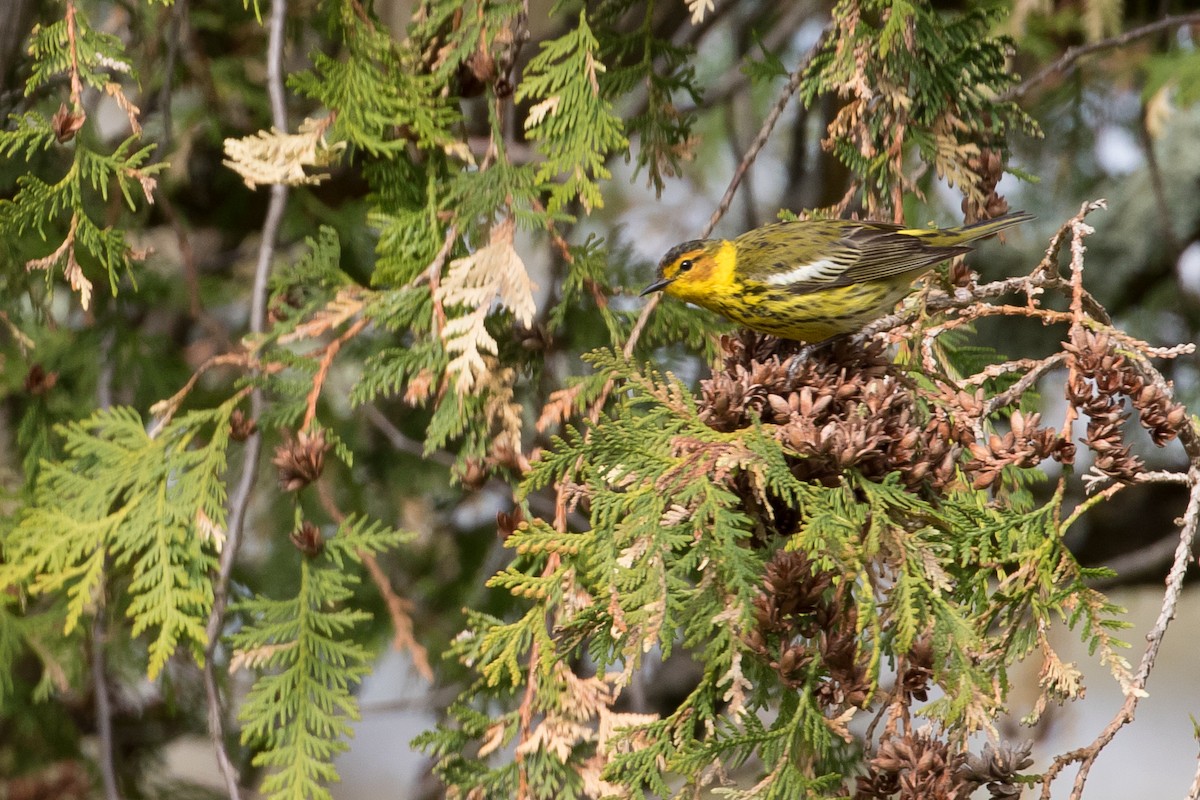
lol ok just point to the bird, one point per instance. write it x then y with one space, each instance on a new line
811 280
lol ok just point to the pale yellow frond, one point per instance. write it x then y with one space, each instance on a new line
556 735
493 274
270 157
698 9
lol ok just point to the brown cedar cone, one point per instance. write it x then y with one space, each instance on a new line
507 524
66 123
38 381
997 766
989 166
876 786
308 540
300 461
918 671
241 427
848 684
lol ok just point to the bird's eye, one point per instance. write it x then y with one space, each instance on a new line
685 265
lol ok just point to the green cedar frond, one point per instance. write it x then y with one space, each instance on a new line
572 122
97 55
31 132
639 58
373 93
299 710
152 505
309 283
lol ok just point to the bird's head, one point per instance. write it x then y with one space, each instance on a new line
692 269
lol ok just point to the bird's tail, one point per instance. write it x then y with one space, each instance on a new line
981 230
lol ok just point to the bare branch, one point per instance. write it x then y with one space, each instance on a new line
104 731
1067 63
240 502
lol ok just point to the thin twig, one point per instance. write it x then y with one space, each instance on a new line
240 502
401 442
1194 791
1067 62
1018 389
764 135
103 706
330 352
174 37
1086 756
433 274
101 700
73 50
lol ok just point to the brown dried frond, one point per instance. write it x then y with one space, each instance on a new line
278 157
301 460
494 272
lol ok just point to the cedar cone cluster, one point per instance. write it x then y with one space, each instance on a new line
847 406
1099 379
1025 445
918 671
916 766
801 619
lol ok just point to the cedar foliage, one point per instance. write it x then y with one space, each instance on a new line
849 543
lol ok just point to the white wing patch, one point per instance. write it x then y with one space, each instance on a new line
821 271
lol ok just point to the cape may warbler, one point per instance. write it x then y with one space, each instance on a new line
815 279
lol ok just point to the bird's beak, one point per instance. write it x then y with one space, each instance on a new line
657 286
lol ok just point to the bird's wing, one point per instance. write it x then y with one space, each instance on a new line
822 254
